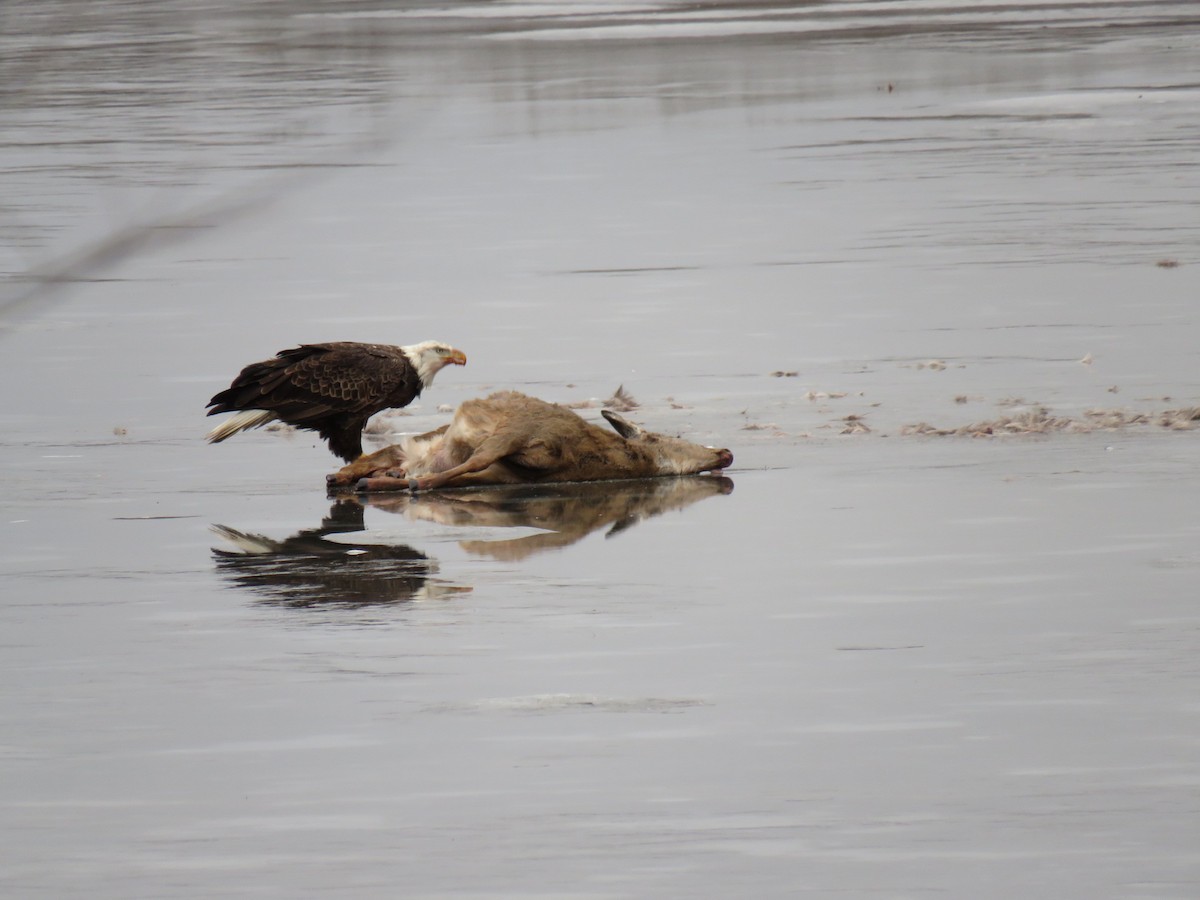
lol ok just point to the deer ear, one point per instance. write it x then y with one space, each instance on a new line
624 427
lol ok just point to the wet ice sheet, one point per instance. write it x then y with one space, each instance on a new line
879 666
899 696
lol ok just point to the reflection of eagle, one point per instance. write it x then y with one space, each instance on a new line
330 388
306 571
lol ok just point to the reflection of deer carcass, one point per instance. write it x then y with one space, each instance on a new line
509 438
561 513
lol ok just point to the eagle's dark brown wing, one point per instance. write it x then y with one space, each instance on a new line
328 388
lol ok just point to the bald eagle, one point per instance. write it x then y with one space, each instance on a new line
331 389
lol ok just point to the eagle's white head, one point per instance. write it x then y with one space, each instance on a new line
428 358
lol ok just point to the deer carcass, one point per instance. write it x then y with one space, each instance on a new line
510 438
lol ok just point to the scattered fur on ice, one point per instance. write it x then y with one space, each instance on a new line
814 396
855 425
1038 420
620 401
379 425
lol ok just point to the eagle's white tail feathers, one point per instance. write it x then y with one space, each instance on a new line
248 544
250 418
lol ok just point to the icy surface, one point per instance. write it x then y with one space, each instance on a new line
867 664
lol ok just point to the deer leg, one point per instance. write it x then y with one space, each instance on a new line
482 458
394 480
381 483
390 460
366 465
487 454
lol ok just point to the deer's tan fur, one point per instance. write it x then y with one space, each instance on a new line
510 438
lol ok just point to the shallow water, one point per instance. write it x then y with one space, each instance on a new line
864 664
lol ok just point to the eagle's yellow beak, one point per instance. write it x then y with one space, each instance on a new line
458 358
